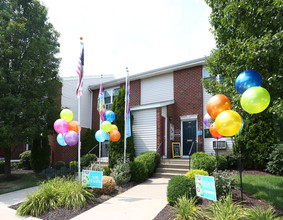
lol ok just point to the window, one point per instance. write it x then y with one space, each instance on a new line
109 96
207 132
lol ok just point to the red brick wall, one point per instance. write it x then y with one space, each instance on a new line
188 96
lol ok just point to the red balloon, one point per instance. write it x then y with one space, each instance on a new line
217 104
214 132
114 135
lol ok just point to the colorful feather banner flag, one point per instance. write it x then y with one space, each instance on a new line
101 103
127 113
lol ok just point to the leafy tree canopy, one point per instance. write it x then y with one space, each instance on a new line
248 36
29 80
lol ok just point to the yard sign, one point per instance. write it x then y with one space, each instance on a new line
205 187
92 178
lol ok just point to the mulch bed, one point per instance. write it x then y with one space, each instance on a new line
167 213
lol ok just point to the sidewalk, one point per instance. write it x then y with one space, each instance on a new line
143 201
13 198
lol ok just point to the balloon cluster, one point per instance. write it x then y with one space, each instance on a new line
67 129
108 131
255 99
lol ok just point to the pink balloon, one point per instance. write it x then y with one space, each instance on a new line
71 138
61 126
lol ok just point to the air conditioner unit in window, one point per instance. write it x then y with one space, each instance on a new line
220 145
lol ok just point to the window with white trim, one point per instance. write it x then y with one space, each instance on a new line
109 96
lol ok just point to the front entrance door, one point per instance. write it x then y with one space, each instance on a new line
189 137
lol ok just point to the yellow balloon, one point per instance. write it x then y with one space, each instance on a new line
114 127
228 123
106 126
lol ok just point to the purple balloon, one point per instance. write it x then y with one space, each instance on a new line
206 119
61 126
71 138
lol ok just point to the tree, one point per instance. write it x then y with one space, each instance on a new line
89 142
29 80
116 149
248 36
40 153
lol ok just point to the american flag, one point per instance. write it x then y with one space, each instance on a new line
80 72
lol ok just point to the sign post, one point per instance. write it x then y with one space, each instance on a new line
205 187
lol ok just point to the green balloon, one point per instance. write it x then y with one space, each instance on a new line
255 100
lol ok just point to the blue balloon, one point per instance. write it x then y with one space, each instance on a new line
100 136
247 79
109 116
60 140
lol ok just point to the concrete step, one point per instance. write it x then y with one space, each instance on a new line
172 170
175 166
165 175
175 161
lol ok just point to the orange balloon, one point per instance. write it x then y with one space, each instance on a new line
213 130
217 104
114 135
74 126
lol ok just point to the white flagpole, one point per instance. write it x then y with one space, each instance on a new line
125 116
79 122
79 145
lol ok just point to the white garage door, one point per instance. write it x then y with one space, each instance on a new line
144 130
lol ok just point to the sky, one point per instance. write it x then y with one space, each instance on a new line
141 35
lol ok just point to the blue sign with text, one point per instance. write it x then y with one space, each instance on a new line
92 178
205 187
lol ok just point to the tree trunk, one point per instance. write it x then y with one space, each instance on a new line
7 152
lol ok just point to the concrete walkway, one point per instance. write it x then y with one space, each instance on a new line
143 201
13 198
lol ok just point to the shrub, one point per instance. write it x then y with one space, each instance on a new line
260 213
121 173
138 171
40 153
191 174
106 171
73 164
88 142
225 208
94 167
2 167
203 161
87 159
232 161
180 186
149 159
186 208
59 164
25 159
54 193
275 164
222 162
224 183
108 185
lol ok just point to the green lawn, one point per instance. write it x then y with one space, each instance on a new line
268 188
26 181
